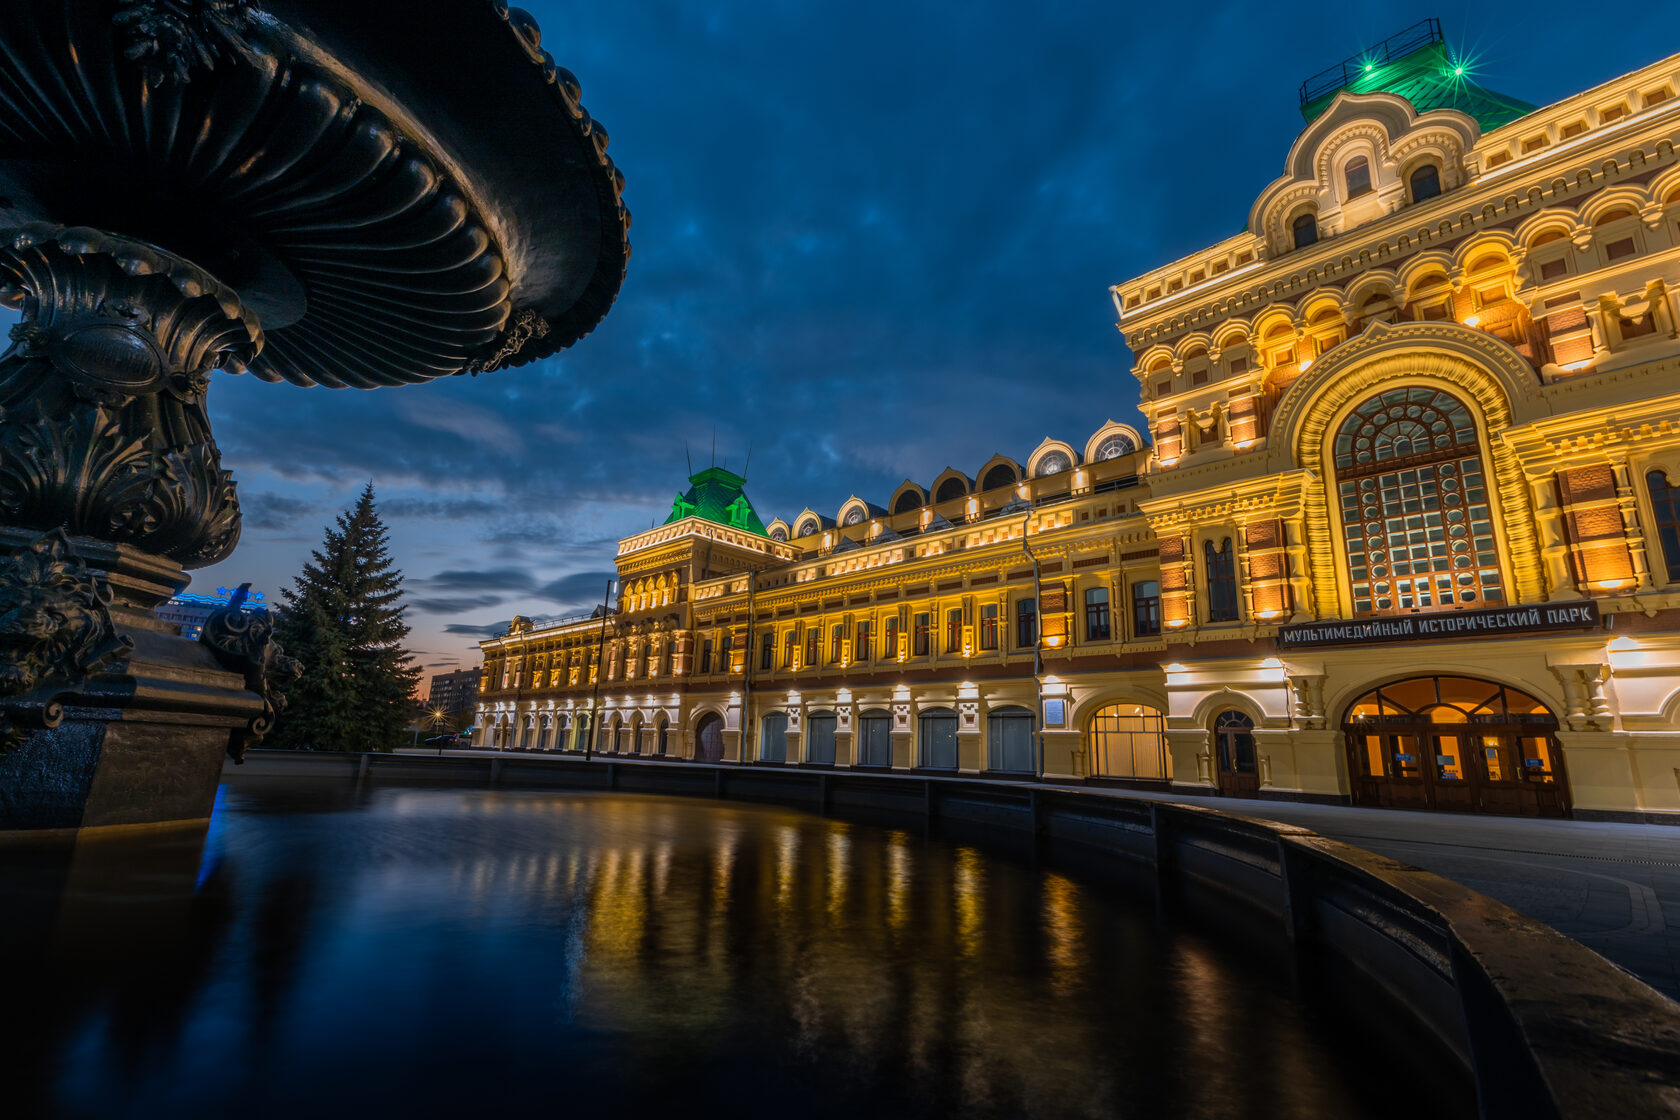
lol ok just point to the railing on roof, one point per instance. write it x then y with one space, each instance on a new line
1350 70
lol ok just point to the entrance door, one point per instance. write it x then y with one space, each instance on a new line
773 746
875 739
1458 744
708 738
819 738
939 739
1239 768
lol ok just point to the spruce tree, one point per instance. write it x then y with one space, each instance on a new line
344 620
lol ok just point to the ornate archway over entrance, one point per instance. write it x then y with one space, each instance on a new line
1455 743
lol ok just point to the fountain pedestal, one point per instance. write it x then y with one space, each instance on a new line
283 188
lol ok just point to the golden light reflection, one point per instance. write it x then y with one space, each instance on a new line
839 870
787 863
1065 934
898 880
970 883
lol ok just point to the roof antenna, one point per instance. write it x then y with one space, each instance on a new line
749 461
689 459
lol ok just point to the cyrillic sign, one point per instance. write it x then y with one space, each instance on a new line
1541 619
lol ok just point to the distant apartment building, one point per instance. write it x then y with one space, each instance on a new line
454 692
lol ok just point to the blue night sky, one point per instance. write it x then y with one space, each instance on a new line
870 240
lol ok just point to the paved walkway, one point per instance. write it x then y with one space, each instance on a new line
1613 887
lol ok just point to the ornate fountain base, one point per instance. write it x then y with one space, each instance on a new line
141 738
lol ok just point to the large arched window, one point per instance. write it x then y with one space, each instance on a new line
1001 475
1665 503
907 501
1416 516
1426 182
1127 741
1357 176
1304 229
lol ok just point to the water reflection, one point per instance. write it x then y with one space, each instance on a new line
437 952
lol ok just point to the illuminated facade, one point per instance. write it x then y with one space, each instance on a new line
1407 531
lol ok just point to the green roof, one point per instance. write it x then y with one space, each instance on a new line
1417 65
717 495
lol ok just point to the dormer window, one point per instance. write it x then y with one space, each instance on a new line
1305 229
1357 176
1426 182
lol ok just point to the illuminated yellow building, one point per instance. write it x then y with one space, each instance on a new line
1407 531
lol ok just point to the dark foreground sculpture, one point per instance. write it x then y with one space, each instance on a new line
358 194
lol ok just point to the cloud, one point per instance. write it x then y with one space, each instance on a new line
488 630
482 581
577 589
267 511
458 605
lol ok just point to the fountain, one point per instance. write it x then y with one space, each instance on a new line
332 194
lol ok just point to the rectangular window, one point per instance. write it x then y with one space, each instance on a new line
1222 581
837 644
790 649
953 631
706 656
813 646
1026 623
988 626
889 643
1616 250
1551 269
924 623
1096 614
767 651
1146 608
860 641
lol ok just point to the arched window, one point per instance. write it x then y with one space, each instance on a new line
778 534
855 516
1127 741
773 746
1665 503
1054 463
1001 475
950 489
664 736
1221 580
1113 447
907 501
1357 176
1416 516
1304 229
1009 740
805 528
1426 182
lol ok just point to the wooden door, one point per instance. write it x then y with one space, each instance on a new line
1238 764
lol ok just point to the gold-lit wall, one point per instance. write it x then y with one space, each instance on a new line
1527 312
